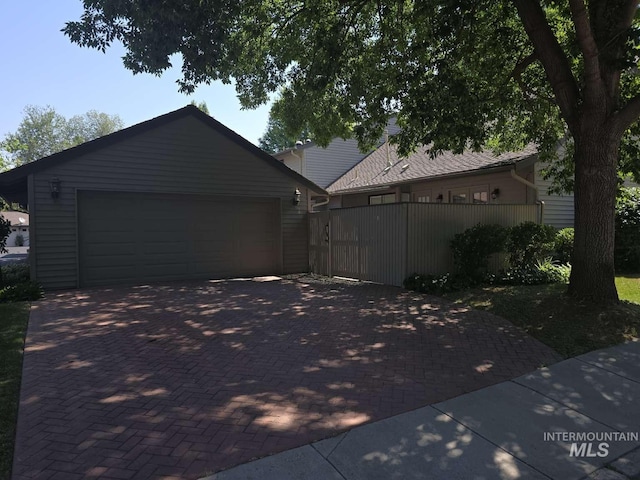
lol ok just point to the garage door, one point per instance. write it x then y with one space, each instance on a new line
138 238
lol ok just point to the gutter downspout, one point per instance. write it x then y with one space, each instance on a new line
319 204
526 182
299 158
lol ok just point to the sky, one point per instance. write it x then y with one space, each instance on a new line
40 66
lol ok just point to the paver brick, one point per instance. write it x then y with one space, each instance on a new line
192 378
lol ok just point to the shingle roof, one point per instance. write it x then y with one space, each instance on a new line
372 171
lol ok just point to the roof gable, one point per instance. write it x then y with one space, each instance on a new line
18 175
385 167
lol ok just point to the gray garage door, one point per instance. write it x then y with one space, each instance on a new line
137 238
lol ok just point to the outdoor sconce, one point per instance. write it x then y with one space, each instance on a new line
495 194
54 184
439 198
296 197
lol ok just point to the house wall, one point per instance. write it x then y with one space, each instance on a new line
511 191
15 231
293 160
184 156
558 209
323 166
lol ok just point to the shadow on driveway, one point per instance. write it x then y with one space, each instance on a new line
182 380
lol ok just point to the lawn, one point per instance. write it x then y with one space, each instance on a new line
13 324
629 287
569 326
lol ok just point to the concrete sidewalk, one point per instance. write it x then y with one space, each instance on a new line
497 432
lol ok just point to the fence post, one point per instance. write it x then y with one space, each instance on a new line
330 244
406 242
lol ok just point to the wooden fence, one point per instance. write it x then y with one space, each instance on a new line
387 243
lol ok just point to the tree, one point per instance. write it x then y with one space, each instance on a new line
278 137
202 106
43 132
458 74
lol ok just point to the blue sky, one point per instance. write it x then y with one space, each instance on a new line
40 66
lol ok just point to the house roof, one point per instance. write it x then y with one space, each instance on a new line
384 167
15 180
17 219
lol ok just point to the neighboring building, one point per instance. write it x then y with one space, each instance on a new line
19 235
471 177
323 166
177 197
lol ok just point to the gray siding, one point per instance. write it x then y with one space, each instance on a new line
323 166
184 156
326 165
558 209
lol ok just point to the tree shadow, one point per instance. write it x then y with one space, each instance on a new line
179 379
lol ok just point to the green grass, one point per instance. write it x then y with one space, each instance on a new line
629 287
569 326
13 324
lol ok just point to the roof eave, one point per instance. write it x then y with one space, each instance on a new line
466 173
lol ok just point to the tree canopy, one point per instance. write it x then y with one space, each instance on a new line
278 136
201 105
459 75
43 132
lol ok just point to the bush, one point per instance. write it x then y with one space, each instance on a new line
21 292
19 241
529 243
472 248
543 272
627 247
436 284
563 245
13 274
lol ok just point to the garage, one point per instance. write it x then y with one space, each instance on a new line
139 237
175 198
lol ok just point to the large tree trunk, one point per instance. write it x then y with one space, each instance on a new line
596 159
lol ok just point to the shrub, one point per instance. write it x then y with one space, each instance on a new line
563 245
20 292
529 243
13 274
19 241
545 271
627 247
435 284
472 248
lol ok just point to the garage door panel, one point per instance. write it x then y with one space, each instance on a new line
157 237
106 249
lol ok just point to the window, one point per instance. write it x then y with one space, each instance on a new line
380 199
459 195
481 196
422 197
24 229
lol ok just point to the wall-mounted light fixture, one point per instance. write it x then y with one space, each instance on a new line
54 185
297 195
495 194
439 198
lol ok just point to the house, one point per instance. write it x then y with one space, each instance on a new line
19 235
324 166
177 197
471 177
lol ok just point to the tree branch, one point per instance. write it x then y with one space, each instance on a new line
552 57
586 42
623 119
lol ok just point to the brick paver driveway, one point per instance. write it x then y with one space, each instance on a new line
187 379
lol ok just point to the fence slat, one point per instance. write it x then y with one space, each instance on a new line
386 243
